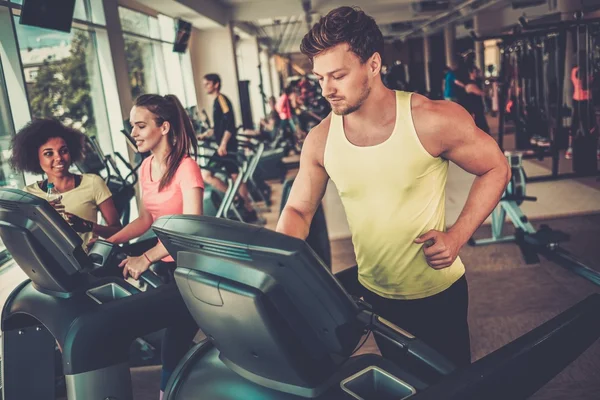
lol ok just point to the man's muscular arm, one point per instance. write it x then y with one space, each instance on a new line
448 131
309 185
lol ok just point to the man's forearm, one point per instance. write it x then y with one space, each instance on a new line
292 223
226 137
483 198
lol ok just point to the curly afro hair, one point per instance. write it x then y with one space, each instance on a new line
26 143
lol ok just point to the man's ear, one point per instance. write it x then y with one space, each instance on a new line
375 63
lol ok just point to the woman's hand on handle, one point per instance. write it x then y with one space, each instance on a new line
135 266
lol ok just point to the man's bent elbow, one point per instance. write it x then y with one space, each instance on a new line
507 172
293 222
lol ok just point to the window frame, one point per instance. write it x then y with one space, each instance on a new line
5 256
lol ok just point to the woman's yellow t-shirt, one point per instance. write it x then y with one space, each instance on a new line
82 201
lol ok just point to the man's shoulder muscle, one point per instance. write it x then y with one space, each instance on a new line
314 145
436 121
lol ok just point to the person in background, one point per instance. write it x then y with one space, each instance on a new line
451 85
224 132
284 108
473 101
267 126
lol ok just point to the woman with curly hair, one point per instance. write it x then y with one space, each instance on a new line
47 147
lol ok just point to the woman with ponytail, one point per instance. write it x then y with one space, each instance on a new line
171 183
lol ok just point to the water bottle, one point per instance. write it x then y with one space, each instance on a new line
52 194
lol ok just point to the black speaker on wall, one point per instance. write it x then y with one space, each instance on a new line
49 14
182 36
244 88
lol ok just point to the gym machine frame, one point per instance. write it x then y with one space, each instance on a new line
532 242
506 48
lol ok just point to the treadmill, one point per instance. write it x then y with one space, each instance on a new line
280 326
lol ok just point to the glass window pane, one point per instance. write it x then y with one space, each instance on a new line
188 79
61 70
134 22
80 12
154 29
140 65
174 73
167 28
97 12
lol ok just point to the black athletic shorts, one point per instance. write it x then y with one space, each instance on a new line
229 163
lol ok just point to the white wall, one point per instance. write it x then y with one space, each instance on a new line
265 69
275 77
247 57
212 51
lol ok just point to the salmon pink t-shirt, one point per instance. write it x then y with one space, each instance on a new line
169 201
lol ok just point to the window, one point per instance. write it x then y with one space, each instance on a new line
140 60
152 65
137 23
62 76
140 50
46 73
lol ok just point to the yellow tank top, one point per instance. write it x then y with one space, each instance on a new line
392 193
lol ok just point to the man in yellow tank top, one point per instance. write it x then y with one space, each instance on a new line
387 153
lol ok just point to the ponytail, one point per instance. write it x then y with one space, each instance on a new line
181 135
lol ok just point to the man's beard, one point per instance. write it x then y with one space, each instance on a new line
349 109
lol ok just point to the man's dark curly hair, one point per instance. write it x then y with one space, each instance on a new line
344 25
26 143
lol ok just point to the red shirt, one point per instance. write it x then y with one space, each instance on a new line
283 107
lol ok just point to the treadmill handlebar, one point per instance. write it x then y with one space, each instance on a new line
410 344
151 279
520 368
104 254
